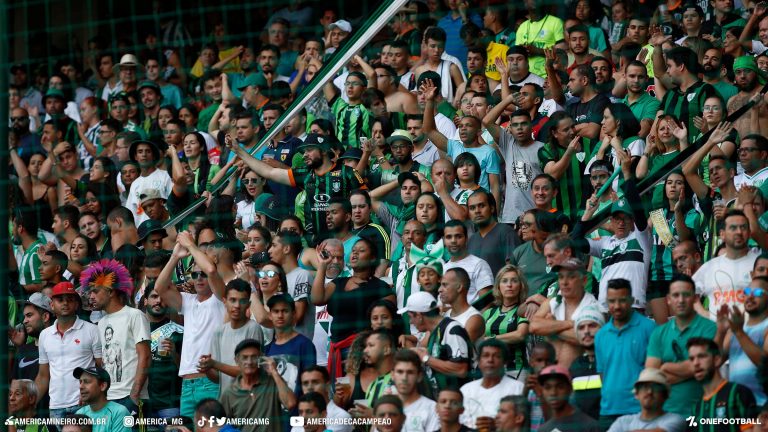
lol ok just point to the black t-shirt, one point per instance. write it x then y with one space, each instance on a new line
378 235
164 382
589 112
588 399
349 308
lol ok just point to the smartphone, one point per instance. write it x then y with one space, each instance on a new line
363 141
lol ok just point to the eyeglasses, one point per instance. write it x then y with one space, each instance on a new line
757 292
250 181
713 108
748 149
18 119
198 275
268 273
399 146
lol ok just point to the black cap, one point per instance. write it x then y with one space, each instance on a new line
247 343
352 153
281 298
315 140
96 371
408 176
148 227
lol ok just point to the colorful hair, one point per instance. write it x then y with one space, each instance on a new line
107 273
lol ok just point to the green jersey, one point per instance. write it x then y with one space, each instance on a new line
662 266
574 186
731 401
498 323
352 122
685 106
29 270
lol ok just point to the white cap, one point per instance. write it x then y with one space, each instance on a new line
421 302
342 25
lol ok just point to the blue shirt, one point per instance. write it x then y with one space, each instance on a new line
292 358
620 356
454 44
485 154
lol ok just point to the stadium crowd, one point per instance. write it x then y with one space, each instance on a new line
475 225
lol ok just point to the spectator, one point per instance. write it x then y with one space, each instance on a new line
22 403
587 383
512 415
284 250
37 316
124 332
25 233
620 348
311 405
643 105
453 294
493 241
665 350
240 399
106 415
484 395
147 154
56 364
219 366
556 388
734 399
447 356
206 411
389 407
480 274
379 352
651 390
316 379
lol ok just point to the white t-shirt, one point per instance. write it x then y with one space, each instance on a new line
521 166
549 107
464 316
79 346
558 308
299 285
160 180
532 78
420 416
428 155
205 318
755 180
223 344
480 274
484 402
723 280
668 422
445 126
120 332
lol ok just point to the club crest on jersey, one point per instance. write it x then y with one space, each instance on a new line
580 156
691 96
623 247
336 185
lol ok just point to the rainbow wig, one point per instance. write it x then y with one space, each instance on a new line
106 273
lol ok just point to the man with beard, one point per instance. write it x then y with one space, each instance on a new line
493 241
401 144
723 279
604 81
643 105
753 155
578 47
64 225
147 155
729 400
248 66
587 382
689 93
151 99
320 178
27 143
651 390
521 154
164 384
587 114
749 81
94 384
268 60
712 64
746 343
38 315
379 353
665 347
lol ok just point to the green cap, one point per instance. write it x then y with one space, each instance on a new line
267 205
400 135
54 92
622 206
254 79
149 84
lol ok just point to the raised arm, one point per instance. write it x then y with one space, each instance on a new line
557 168
555 86
429 127
380 192
25 181
321 292
278 175
489 121
207 266
165 289
691 166
368 70
226 60
89 147
213 124
330 91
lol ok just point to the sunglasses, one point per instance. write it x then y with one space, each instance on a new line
757 292
18 119
247 181
198 275
268 273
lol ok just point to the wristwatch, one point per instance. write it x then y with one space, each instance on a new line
425 359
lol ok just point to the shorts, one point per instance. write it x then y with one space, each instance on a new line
656 290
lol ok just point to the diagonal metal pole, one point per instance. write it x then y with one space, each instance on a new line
356 42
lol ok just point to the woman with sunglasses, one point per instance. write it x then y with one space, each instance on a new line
348 299
196 158
251 187
270 281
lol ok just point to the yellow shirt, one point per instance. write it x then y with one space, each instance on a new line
495 50
544 33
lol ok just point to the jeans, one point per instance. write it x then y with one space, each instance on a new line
193 390
62 412
128 403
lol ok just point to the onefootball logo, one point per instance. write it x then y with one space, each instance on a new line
218 421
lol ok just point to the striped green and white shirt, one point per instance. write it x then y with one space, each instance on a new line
29 267
625 258
352 122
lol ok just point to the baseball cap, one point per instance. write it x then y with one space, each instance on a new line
622 206
96 371
149 84
54 92
254 79
281 298
421 302
651 375
40 300
352 153
150 226
315 140
570 264
400 135
408 176
342 25
269 206
554 371
150 194
247 343
64 288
